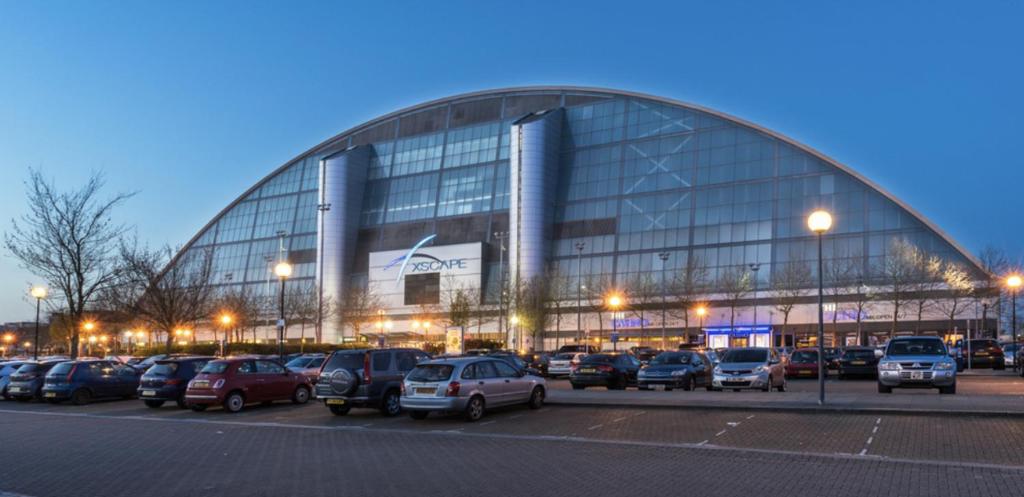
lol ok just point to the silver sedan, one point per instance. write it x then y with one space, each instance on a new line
468 385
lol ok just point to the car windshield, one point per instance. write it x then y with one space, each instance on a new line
916 346
431 372
61 369
1010 347
215 367
598 358
666 358
31 368
565 357
805 356
298 362
165 369
745 355
344 360
859 354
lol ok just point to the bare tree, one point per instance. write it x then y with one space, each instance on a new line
735 285
597 288
897 270
861 299
560 290
926 280
358 306
840 275
164 291
642 292
244 307
69 239
531 307
687 289
959 290
791 282
303 305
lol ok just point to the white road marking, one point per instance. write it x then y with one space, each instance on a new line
734 423
863 452
515 416
870 439
874 430
616 420
750 417
702 443
595 427
720 433
485 423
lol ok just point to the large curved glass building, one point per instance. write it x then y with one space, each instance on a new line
581 184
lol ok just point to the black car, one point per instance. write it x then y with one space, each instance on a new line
585 349
984 353
858 361
167 380
27 382
516 361
82 381
537 361
685 369
645 354
616 371
832 355
366 378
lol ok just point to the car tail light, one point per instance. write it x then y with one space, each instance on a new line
366 369
172 381
71 373
453 389
606 368
573 367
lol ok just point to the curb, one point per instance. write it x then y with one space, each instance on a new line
826 409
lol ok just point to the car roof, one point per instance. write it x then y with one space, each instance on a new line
185 359
900 339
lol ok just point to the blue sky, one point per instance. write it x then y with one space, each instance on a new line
191 102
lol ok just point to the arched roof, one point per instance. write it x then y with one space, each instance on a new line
596 91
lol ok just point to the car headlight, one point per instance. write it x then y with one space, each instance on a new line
761 369
219 383
889 366
943 366
718 370
642 373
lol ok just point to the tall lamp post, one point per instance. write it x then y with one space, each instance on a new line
89 327
514 321
754 267
39 293
579 290
614 302
225 322
501 236
283 270
701 312
1013 282
8 339
819 222
664 259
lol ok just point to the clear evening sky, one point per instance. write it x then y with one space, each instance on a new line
190 103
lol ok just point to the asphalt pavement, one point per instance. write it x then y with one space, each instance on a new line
122 448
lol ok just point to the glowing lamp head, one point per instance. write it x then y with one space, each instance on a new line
614 301
89 326
1013 281
129 334
283 269
514 319
701 311
92 339
225 319
38 292
8 338
819 221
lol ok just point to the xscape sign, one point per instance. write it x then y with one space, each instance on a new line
458 264
420 262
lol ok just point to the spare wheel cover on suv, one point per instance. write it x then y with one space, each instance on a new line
343 382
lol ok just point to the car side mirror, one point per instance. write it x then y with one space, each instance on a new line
774 361
879 354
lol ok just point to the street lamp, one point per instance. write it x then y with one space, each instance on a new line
1013 282
283 270
8 338
614 302
39 293
129 334
819 222
501 236
664 258
701 312
754 268
579 290
514 321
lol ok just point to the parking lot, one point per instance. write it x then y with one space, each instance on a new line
123 448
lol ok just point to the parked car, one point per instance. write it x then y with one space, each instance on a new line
27 382
687 369
712 356
468 385
858 361
366 378
538 361
804 364
1009 352
616 371
145 363
7 368
82 381
645 354
586 349
832 355
562 363
235 382
515 361
168 379
750 368
917 362
307 364
984 353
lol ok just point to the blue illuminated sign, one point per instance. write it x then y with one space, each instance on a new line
739 331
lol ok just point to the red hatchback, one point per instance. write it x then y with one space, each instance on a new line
803 363
237 381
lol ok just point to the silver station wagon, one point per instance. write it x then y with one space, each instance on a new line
468 385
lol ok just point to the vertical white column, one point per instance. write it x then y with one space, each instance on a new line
342 182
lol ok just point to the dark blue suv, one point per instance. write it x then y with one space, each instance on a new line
82 381
167 380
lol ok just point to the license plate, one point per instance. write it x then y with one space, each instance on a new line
858 363
148 393
335 402
916 375
14 389
981 354
588 370
425 391
806 372
50 394
201 384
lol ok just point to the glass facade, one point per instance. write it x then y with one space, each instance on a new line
637 176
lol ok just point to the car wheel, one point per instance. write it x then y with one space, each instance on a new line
234 402
474 409
950 390
339 410
181 403
842 376
154 403
883 388
999 366
578 387
768 386
300 396
198 407
23 399
782 387
689 384
391 405
419 414
536 398
80 397
53 401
